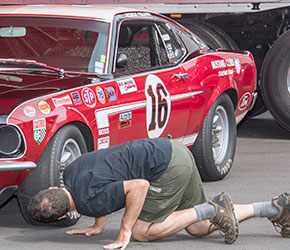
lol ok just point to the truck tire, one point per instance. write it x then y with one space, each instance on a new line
275 80
212 35
64 147
214 148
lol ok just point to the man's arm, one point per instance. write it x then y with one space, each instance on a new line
97 228
135 191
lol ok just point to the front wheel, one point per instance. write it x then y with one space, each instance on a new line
214 148
64 147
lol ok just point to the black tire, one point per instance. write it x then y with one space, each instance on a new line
67 141
275 80
219 128
212 35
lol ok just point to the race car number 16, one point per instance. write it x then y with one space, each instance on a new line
158 106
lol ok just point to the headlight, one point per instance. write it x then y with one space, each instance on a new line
10 141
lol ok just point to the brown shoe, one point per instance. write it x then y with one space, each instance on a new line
282 221
225 219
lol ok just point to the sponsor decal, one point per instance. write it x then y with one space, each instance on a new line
111 94
244 101
65 100
39 130
165 37
89 97
230 62
170 52
104 131
103 142
137 14
127 86
238 65
103 59
218 64
76 98
99 67
29 111
226 72
44 107
100 95
125 119
224 63
158 106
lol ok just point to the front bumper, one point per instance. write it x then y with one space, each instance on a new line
16 166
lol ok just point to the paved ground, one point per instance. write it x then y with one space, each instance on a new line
261 170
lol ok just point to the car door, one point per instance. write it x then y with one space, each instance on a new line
153 88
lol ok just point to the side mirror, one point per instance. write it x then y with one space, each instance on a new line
122 61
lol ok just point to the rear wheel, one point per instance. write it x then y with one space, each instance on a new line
215 145
212 35
65 146
275 80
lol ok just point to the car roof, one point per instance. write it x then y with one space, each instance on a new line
105 13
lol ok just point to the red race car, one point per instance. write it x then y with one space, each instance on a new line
80 78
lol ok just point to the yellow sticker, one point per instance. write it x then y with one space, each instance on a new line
44 107
103 58
100 95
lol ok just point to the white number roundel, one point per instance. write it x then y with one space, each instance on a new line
158 106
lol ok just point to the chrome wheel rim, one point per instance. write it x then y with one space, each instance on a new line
70 151
220 134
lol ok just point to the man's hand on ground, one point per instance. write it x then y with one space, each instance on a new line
122 242
97 228
88 231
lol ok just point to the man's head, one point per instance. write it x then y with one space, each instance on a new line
49 205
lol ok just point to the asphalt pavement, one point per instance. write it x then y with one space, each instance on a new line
261 170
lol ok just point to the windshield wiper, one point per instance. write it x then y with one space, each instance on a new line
30 64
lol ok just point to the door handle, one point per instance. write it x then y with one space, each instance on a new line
181 76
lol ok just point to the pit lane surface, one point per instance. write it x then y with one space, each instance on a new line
261 170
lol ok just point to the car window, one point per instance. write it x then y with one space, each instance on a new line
77 45
174 47
191 41
146 45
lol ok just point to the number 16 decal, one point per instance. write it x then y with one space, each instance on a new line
158 106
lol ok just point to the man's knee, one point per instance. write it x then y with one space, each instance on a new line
140 236
140 231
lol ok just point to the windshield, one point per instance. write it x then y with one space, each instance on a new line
69 44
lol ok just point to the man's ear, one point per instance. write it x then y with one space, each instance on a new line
53 188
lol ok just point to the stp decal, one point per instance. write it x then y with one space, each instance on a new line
244 101
39 130
44 107
89 97
100 95
158 106
65 100
127 86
